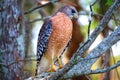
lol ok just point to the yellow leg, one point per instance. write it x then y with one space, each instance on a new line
52 67
60 62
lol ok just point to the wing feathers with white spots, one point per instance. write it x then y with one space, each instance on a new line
43 38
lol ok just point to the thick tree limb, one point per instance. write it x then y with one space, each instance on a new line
75 59
83 67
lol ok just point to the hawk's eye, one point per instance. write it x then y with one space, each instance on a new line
73 11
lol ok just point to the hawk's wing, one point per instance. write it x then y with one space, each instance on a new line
43 38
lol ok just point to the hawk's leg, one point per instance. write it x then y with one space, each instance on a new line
52 67
60 62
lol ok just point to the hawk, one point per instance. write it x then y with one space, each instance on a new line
53 39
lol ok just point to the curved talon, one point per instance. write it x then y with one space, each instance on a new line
51 69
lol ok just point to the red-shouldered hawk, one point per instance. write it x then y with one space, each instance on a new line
53 38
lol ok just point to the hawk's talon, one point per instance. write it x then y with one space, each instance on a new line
52 67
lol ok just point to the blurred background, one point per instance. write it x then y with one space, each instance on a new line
90 14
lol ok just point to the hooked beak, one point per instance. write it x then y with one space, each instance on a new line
75 15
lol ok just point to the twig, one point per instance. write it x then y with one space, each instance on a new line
90 21
79 13
115 20
37 7
39 19
115 62
7 65
90 16
106 69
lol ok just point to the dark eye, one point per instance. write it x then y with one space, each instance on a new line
73 11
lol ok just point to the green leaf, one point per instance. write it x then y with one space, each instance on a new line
109 2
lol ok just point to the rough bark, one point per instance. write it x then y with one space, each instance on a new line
11 39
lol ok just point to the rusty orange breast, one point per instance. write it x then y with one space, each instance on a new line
61 34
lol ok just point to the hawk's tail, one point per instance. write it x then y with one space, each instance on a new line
36 70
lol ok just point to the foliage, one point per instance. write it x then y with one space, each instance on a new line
109 2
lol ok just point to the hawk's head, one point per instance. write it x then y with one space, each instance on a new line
69 11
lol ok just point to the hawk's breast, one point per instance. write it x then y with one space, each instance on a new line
61 33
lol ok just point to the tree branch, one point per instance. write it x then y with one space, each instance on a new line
83 67
79 13
75 59
105 69
99 28
39 19
37 7
8 65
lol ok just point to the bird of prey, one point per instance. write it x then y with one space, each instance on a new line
53 39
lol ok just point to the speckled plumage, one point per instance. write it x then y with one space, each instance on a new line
43 38
53 38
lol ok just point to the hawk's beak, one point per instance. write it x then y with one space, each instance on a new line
75 15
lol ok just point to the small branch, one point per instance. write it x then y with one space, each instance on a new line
79 13
106 69
114 61
39 19
91 15
35 8
7 65
90 21
94 3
